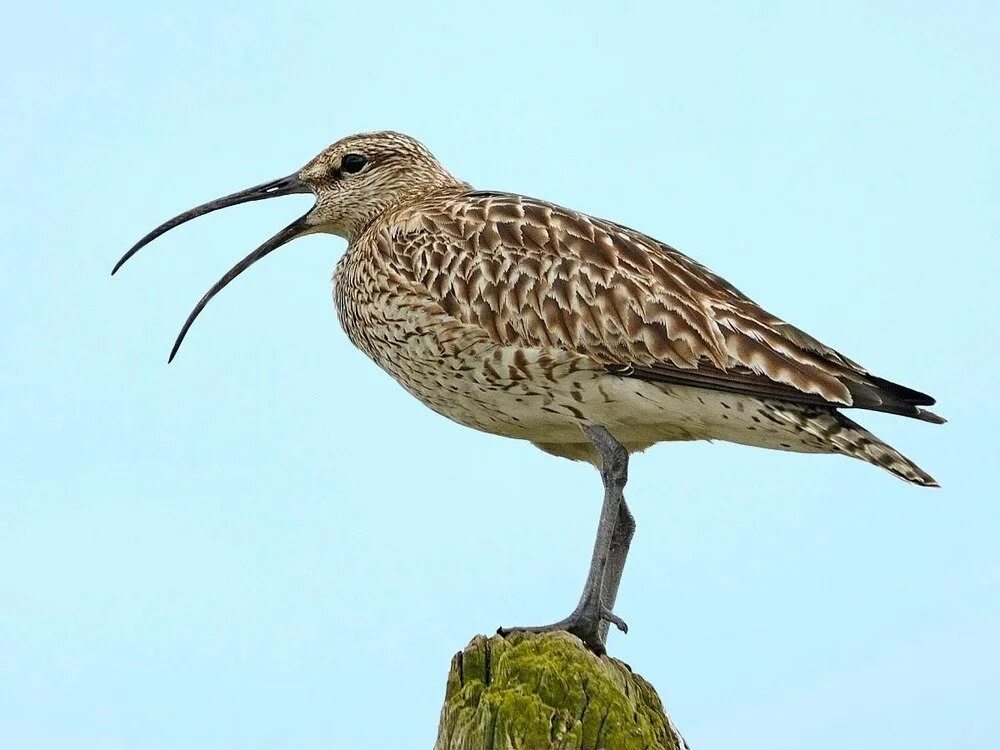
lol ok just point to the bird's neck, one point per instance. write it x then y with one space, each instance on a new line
401 200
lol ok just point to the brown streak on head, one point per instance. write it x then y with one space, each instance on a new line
397 169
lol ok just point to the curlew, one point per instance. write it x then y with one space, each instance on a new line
518 317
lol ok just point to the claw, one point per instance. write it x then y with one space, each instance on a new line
583 624
615 620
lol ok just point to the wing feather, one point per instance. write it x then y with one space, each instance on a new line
533 273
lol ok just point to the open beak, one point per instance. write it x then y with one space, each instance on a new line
284 186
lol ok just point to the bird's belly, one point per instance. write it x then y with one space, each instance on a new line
543 394
549 394
546 400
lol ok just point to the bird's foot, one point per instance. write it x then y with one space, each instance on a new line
584 623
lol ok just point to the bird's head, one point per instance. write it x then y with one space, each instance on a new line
355 180
359 177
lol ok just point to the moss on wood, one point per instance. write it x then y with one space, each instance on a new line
536 692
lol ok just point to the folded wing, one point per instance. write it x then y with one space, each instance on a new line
532 273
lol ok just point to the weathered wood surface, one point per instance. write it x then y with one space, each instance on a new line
542 692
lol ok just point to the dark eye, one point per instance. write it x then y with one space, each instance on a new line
352 163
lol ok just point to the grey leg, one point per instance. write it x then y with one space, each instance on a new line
620 541
589 620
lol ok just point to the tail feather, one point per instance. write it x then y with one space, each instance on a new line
854 440
846 436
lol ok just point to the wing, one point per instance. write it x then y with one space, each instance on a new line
532 273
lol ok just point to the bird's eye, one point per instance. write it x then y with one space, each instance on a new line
352 163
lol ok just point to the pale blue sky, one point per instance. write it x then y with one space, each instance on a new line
268 544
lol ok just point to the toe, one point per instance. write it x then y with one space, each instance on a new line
616 621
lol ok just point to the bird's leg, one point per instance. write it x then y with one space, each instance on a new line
589 620
620 541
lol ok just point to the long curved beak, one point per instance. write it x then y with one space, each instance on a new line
283 186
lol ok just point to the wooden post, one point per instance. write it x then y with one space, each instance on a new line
542 692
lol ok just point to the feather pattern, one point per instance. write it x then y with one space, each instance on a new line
522 318
531 273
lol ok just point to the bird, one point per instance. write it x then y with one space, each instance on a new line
518 317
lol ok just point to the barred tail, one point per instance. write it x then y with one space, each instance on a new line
855 440
843 435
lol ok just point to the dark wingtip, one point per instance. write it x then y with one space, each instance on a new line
927 415
902 392
926 480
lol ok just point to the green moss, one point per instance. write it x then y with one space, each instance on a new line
535 692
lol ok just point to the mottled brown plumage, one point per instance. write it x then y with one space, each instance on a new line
531 273
522 318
